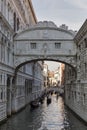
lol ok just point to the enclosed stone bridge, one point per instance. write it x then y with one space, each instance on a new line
45 41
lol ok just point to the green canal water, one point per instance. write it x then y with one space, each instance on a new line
54 116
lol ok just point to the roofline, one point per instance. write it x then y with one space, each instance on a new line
81 32
43 28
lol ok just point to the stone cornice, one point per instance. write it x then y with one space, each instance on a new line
82 31
43 40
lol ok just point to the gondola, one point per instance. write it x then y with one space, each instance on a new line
48 100
34 104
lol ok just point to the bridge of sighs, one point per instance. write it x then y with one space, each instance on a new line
45 41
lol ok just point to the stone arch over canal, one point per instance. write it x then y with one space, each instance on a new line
45 41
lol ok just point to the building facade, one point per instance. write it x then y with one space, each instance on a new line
15 16
45 71
76 82
62 74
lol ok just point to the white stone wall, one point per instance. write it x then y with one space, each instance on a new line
76 90
29 85
12 97
3 95
76 99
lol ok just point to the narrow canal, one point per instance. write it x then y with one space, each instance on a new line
54 116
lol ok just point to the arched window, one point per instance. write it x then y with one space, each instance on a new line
14 21
18 24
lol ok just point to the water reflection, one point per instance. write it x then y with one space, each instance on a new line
47 117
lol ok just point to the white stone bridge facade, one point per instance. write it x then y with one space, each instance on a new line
45 41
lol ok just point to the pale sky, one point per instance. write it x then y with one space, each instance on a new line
52 65
70 12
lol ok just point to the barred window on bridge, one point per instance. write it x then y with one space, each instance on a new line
57 45
85 40
33 45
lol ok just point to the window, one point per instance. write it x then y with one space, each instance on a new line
79 47
1 94
57 45
28 86
24 68
85 40
18 24
2 40
78 96
0 78
8 11
85 70
33 45
2 50
0 36
85 67
14 21
8 54
75 95
84 99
